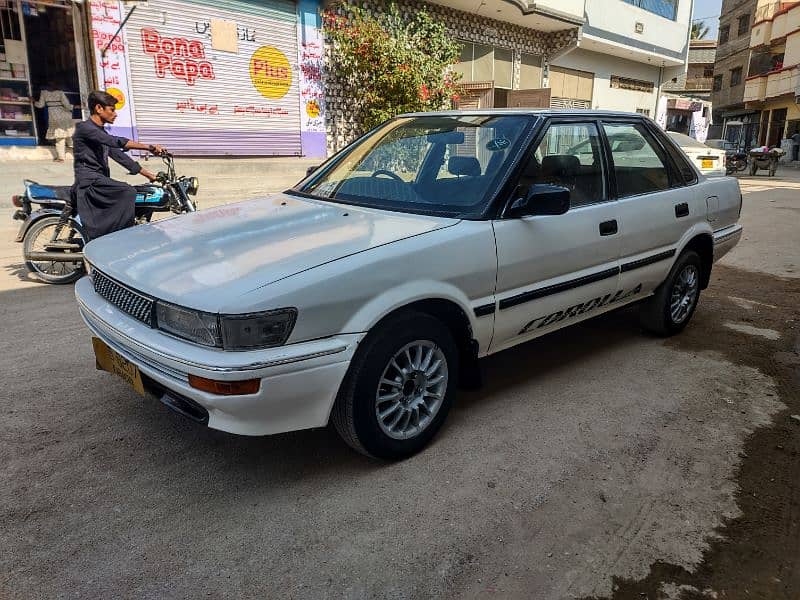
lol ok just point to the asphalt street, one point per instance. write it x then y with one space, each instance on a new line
596 462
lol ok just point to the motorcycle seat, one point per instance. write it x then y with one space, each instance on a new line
43 191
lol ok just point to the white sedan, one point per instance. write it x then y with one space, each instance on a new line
367 293
710 161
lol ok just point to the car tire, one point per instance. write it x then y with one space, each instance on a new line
385 383
670 309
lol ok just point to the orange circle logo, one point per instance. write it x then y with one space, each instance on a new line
312 109
119 95
270 72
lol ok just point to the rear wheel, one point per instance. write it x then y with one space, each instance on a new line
49 236
399 388
669 310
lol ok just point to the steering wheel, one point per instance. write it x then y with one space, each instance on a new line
388 173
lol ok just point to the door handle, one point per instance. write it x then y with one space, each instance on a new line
608 227
682 210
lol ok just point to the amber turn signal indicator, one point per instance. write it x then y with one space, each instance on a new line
225 388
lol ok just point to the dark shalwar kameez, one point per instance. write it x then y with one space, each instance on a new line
104 205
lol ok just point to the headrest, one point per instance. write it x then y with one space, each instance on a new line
560 165
464 165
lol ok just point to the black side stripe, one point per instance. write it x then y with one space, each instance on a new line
484 309
557 288
643 262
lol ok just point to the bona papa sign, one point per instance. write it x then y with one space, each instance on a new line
181 58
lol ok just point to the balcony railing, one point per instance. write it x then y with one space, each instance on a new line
755 89
783 82
766 11
761 34
772 84
699 83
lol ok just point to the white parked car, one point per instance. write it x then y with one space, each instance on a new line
709 160
366 294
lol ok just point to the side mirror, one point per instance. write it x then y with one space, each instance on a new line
311 169
541 199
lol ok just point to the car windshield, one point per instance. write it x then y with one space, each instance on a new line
448 165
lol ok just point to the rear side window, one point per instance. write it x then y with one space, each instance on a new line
687 174
639 166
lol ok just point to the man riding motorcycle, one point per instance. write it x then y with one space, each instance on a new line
104 205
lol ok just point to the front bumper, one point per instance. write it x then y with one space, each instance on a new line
299 382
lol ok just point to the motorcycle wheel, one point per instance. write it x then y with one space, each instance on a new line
36 240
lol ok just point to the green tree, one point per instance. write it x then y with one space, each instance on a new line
699 30
389 65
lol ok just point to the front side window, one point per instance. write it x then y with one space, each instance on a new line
638 167
568 156
443 165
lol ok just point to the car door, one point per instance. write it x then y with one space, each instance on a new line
557 268
656 203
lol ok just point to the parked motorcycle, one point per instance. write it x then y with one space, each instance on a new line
53 237
735 162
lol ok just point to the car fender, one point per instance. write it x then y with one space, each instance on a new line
35 216
393 299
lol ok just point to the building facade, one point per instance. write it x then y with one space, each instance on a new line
631 49
689 107
505 49
773 86
738 123
204 77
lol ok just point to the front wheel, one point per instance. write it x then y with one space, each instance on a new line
669 310
50 238
399 388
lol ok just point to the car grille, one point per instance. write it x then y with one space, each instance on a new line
136 305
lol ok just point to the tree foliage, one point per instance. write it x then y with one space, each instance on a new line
699 30
390 65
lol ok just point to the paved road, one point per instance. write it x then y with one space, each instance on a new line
595 462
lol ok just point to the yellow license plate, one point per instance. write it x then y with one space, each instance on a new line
707 164
109 360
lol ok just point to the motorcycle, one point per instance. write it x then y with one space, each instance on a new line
53 236
735 162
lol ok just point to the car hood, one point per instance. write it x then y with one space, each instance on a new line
203 260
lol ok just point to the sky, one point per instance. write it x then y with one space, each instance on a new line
708 8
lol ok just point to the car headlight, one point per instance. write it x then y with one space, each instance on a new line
257 330
231 332
193 325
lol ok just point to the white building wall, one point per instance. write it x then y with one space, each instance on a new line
620 18
604 66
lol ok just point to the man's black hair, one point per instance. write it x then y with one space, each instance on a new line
101 98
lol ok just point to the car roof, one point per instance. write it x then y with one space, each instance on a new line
685 140
535 112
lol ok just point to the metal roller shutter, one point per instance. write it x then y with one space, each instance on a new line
233 93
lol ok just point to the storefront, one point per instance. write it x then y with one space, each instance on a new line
202 77
689 116
216 78
41 47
